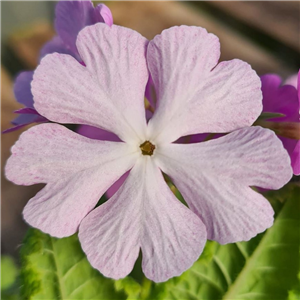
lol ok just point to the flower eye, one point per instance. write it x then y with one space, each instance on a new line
147 148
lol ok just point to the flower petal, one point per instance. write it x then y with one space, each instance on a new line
22 88
150 93
214 178
14 128
26 119
23 94
290 146
77 171
293 80
144 214
73 16
119 64
295 157
103 14
97 133
107 93
298 87
26 110
194 95
57 45
280 99
114 188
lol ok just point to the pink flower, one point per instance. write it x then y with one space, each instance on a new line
194 95
284 99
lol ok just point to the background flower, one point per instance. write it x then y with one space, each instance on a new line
70 18
283 99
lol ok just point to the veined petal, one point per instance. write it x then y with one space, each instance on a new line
194 95
107 93
144 214
77 171
116 57
73 16
214 178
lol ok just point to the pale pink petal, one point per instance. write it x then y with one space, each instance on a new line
194 95
144 214
116 57
77 171
107 93
215 177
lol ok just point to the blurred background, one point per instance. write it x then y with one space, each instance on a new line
264 34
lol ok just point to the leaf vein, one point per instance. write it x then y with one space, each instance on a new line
81 285
208 280
223 270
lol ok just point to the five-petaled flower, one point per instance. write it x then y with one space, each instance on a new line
195 94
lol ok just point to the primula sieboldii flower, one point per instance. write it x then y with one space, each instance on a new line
70 18
284 99
195 94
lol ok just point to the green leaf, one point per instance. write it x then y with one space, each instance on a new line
130 287
264 268
58 269
9 272
294 294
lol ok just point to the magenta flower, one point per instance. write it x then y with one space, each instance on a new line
284 100
70 18
194 95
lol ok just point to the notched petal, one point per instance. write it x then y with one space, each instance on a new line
144 214
77 171
194 94
215 179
